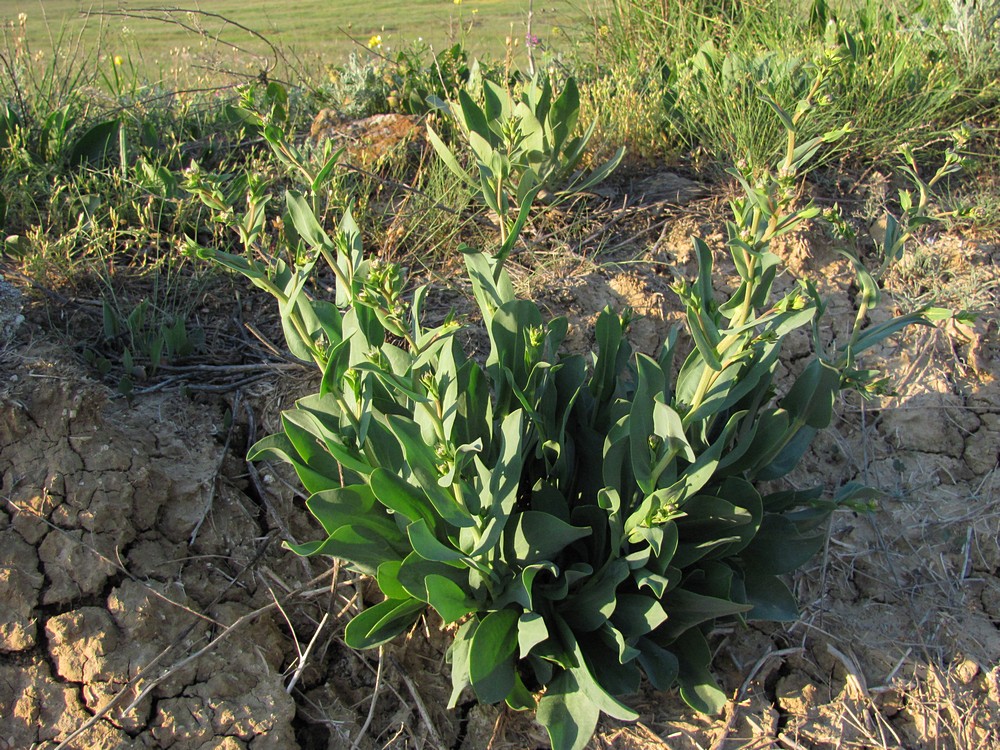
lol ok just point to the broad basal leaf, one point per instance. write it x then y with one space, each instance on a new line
458 657
539 536
491 660
382 622
770 598
698 686
661 666
685 609
778 547
531 630
448 598
567 714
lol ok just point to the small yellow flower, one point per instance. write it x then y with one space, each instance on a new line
603 30
375 42
475 10
457 2
555 31
118 60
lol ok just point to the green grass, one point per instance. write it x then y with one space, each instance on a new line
314 31
899 72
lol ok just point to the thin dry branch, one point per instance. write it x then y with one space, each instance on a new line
304 656
421 708
168 15
371 706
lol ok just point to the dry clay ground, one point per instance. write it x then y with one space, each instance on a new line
145 600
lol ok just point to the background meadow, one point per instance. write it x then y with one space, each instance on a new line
313 32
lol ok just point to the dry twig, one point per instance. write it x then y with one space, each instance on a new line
371 706
421 708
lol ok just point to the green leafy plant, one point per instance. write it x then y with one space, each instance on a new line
521 145
142 337
733 92
403 80
44 119
412 81
893 81
359 88
575 521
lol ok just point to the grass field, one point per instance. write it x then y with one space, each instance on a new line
310 29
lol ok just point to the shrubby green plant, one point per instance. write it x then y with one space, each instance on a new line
78 126
576 521
402 82
46 119
730 94
89 188
412 81
521 145
358 88
977 27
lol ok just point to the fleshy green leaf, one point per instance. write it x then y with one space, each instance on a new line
778 547
812 395
458 656
279 446
567 714
770 598
588 683
422 463
660 666
305 221
448 598
447 156
595 601
685 609
540 536
520 698
491 661
428 546
399 496
382 622
531 630
415 570
387 577
637 615
97 144
698 687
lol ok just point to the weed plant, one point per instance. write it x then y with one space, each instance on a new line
976 26
576 522
520 145
369 84
91 195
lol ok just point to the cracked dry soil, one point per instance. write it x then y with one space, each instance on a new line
99 577
146 602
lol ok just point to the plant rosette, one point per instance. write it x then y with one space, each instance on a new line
578 522
581 521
